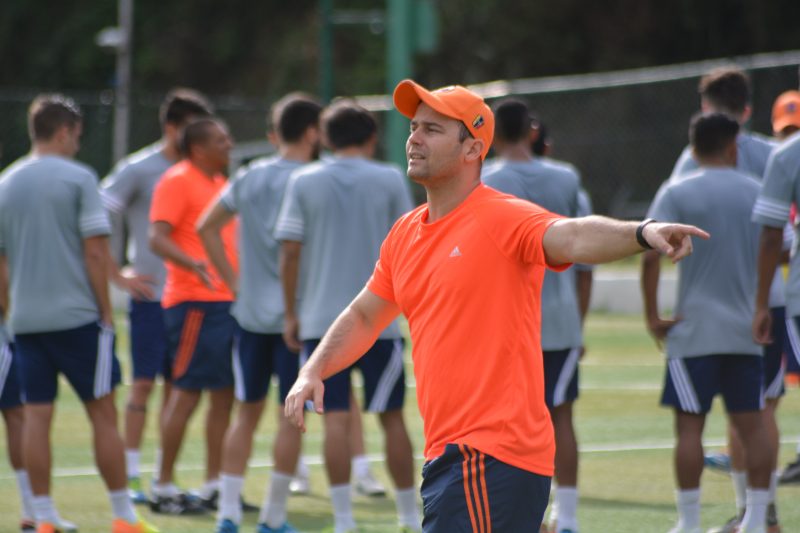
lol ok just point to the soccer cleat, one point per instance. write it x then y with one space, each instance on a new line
285 528
123 526
718 462
300 486
730 526
135 492
212 502
790 474
47 527
367 485
772 519
27 526
227 526
179 504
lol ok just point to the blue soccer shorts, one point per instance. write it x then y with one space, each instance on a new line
10 390
560 376
383 373
149 347
256 358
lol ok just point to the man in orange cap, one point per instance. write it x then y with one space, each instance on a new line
466 270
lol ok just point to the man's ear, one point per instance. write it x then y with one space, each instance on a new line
474 149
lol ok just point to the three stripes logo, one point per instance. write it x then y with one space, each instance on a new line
473 470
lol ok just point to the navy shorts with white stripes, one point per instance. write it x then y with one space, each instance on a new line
383 373
85 355
560 376
10 390
793 353
692 382
774 364
256 357
465 490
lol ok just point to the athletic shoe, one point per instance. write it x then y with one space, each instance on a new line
135 492
212 502
27 526
123 526
790 474
285 528
367 485
63 526
719 462
227 526
179 504
300 486
730 526
772 519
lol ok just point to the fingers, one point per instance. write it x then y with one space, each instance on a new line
294 410
291 340
319 394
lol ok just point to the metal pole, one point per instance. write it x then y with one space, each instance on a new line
398 62
326 51
122 90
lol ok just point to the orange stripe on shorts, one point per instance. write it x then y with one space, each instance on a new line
485 493
467 492
188 342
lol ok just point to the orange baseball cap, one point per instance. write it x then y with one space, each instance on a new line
786 111
455 102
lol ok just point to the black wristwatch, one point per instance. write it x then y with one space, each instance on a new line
640 234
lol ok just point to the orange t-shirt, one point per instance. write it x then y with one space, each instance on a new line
470 286
180 197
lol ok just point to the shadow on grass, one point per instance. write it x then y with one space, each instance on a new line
606 503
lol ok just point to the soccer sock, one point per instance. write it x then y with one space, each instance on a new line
688 509
165 490
739 478
132 457
230 492
121 506
273 510
302 468
756 514
25 494
44 510
208 488
157 465
360 466
407 510
773 485
567 517
342 508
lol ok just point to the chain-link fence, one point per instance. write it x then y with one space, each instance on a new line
623 130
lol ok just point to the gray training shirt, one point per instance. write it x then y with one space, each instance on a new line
780 189
127 192
256 194
48 205
716 284
341 210
556 187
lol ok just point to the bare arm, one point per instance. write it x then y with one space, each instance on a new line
139 286
289 269
583 283
209 227
163 246
769 255
651 272
595 239
95 255
348 338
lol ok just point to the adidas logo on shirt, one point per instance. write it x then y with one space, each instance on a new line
456 252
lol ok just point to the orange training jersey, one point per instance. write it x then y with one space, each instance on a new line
179 199
470 286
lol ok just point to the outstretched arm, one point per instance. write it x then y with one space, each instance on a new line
348 338
596 239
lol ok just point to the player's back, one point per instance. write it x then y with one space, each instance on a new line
555 187
716 289
48 204
348 206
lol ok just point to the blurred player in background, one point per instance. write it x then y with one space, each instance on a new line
53 253
255 195
556 188
127 193
336 213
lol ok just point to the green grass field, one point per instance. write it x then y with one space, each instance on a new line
626 481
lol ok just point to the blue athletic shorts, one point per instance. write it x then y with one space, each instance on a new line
148 340
793 352
692 383
200 338
774 364
560 376
383 373
256 357
85 355
10 391
465 490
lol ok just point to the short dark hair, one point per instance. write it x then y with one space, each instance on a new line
346 123
197 132
49 112
181 104
512 120
726 89
711 133
293 114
